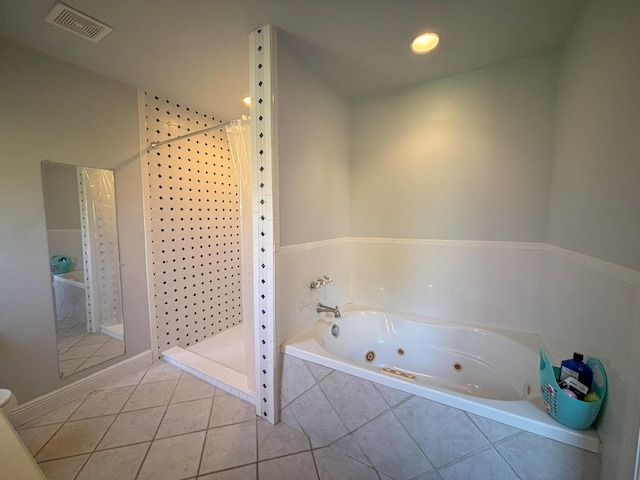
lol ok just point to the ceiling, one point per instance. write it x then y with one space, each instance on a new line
196 51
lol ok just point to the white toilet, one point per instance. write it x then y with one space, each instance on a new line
8 401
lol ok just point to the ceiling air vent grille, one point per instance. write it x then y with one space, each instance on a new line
77 22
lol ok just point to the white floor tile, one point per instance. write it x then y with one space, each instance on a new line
121 463
173 458
64 468
132 427
185 417
294 467
229 446
75 438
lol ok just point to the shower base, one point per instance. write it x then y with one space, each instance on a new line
219 360
116 331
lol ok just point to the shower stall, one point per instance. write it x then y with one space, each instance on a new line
227 359
101 259
199 237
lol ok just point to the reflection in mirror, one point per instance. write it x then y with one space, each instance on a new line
85 266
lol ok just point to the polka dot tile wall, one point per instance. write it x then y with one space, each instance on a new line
194 225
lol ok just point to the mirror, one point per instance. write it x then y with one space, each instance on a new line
82 236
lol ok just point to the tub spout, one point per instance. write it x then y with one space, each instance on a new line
323 308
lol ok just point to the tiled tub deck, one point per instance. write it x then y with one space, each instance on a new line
405 437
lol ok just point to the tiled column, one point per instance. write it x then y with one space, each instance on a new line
265 206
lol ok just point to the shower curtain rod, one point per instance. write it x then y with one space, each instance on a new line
191 134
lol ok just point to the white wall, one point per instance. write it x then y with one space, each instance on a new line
594 210
467 157
313 137
596 173
62 211
479 157
54 111
592 306
313 154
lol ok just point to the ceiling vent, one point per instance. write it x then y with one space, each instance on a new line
77 22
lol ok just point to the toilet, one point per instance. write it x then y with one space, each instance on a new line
8 401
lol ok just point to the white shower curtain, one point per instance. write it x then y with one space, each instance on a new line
239 143
101 261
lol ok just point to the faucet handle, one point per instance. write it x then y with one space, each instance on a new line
320 282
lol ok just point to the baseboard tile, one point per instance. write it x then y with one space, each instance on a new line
211 372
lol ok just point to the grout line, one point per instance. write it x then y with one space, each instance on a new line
257 445
84 464
464 457
204 444
507 462
111 425
144 459
315 464
48 440
121 411
508 438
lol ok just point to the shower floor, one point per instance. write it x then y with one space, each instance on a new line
219 360
225 348
116 331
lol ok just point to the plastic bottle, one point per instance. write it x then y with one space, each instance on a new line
576 368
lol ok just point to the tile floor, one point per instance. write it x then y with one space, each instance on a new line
164 424
79 349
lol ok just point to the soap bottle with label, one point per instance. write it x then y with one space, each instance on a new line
576 368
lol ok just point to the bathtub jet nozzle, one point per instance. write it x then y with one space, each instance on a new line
320 308
335 330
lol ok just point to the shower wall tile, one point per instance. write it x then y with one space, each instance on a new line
298 266
193 225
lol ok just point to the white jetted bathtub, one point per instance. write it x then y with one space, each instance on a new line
75 278
489 372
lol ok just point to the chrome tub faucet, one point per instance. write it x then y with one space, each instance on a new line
320 308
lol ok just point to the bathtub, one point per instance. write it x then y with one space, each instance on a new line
75 278
489 372
69 298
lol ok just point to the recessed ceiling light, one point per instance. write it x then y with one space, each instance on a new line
425 42
246 101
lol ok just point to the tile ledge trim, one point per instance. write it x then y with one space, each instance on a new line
619 272
614 270
412 241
